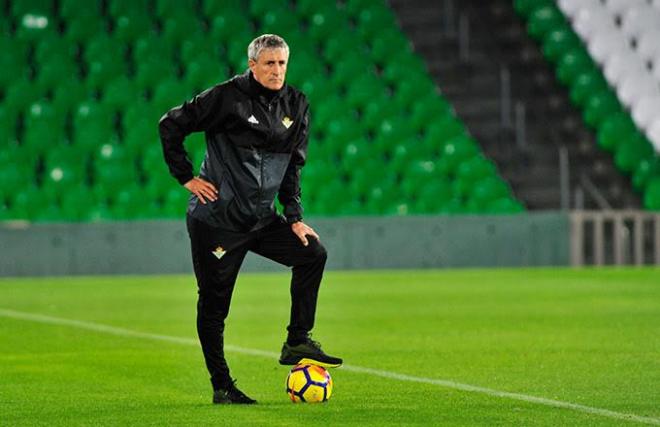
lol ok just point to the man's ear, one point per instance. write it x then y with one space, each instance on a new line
252 63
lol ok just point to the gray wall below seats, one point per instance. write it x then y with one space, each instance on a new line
162 247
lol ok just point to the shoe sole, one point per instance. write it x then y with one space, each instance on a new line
309 361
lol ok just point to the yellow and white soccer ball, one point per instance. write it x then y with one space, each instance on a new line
308 383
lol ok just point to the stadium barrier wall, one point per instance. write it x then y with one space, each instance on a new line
162 247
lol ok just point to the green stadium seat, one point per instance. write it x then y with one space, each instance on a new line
586 84
630 152
389 41
599 106
140 112
204 73
429 109
572 64
32 7
258 8
475 169
53 49
526 7
168 94
376 111
544 20
24 203
324 24
504 205
363 89
129 28
197 47
231 25
13 61
153 47
371 22
355 155
652 195
352 64
130 203
151 72
237 56
21 94
558 41
74 10
457 150
54 71
8 126
177 29
117 94
118 8
408 91
614 130
307 8
279 21
68 94
173 8
370 174
213 8
112 178
84 27
485 192
139 136
645 171
103 71
93 126
176 202
58 179
76 202
433 197
316 88
103 47
33 28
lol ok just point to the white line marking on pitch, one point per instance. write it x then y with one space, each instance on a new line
98 327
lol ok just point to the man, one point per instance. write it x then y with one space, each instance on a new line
256 131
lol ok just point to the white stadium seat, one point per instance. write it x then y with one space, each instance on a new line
591 21
648 45
620 64
639 19
634 87
618 7
605 43
654 134
570 8
646 110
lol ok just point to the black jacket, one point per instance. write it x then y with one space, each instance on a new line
256 144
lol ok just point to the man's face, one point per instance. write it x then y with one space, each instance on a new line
270 68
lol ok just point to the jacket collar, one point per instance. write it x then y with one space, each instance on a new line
247 83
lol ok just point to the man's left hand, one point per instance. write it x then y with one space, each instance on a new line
303 230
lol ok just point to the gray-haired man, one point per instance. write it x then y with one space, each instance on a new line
256 131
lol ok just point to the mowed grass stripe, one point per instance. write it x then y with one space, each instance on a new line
98 327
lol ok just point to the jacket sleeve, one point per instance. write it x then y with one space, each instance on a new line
289 194
196 115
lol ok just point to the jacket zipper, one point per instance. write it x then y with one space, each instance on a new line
261 160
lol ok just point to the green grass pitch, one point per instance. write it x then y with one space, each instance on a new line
587 337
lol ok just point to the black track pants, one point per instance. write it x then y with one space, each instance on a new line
216 279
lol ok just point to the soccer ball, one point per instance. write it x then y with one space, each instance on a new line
308 383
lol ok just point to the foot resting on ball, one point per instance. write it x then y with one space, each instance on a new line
307 351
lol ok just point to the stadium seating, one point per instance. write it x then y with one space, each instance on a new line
612 69
84 83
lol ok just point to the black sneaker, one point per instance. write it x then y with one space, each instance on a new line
308 352
231 395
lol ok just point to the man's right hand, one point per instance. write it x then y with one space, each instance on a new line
204 190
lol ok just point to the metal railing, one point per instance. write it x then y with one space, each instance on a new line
610 237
